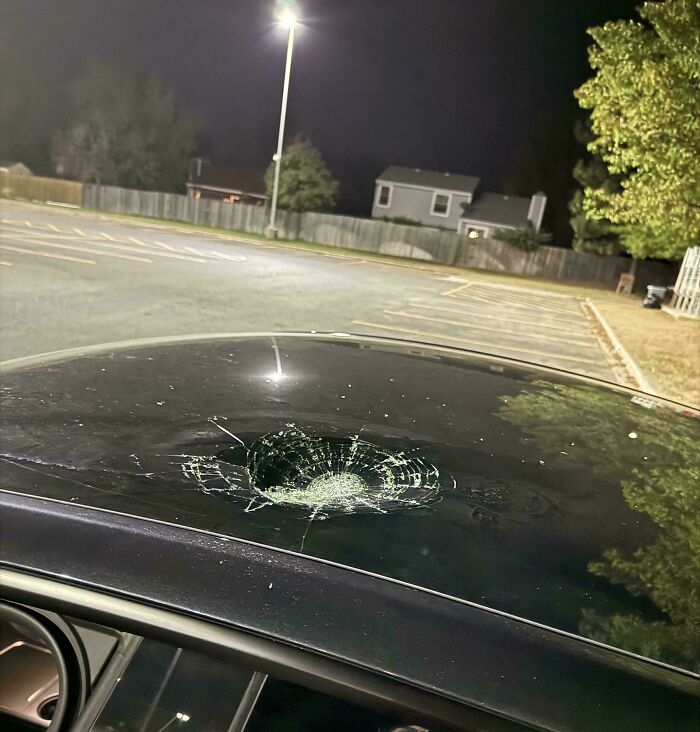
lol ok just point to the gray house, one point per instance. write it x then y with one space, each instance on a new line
450 201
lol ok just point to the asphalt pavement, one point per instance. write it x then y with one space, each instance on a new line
71 278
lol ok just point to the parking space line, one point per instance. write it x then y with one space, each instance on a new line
29 224
511 297
123 248
164 245
502 304
18 250
479 313
530 292
454 290
481 344
230 258
52 227
192 250
107 236
79 232
134 240
84 250
5 264
475 326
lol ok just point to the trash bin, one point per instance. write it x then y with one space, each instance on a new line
654 297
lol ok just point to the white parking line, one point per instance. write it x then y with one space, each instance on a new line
458 308
18 250
84 250
234 258
5 264
503 331
504 304
120 247
481 344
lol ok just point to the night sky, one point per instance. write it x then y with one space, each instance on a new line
482 87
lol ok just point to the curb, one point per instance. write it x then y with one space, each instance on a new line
618 349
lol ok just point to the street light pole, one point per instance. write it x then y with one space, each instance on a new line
290 21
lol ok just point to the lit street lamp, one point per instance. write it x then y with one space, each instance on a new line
287 19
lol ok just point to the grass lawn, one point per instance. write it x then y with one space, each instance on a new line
665 348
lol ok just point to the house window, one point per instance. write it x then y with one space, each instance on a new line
384 196
441 204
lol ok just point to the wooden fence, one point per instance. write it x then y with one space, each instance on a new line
686 292
35 188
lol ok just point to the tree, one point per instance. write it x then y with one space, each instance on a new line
597 237
526 239
305 184
126 130
663 465
645 115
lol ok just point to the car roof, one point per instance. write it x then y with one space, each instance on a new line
484 479
490 662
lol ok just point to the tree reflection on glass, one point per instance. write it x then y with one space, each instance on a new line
656 452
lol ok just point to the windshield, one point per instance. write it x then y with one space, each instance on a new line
412 287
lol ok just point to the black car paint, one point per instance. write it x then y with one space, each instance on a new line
514 530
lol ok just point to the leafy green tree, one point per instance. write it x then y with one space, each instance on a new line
126 130
305 184
596 237
526 239
663 464
645 114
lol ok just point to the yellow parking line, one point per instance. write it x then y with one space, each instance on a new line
52 227
481 344
134 240
476 326
18 250
79 232
29 224
500 318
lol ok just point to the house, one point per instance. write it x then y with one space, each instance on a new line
231 185
14 167
452 201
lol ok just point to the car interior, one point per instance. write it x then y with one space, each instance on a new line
62 673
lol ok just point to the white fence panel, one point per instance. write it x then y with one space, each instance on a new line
686 292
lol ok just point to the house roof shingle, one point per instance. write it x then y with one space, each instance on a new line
431 179
495 208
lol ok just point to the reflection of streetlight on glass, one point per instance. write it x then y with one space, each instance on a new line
277 375
288 19
180 717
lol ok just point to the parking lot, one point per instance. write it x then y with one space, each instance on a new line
73 278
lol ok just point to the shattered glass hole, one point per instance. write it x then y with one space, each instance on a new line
323 476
